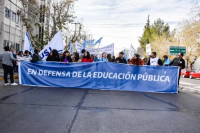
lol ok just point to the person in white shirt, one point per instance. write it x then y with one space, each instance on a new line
154 61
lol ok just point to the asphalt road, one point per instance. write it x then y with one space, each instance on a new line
61 110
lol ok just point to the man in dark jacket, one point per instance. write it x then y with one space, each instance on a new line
121 58
180 62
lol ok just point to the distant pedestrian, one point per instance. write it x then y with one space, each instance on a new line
136 60
154 61
121 58
14 55
61 55
180 62
87 57
166 60
7 58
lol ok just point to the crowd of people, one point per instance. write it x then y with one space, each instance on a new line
9 60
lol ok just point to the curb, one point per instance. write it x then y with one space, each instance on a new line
14 77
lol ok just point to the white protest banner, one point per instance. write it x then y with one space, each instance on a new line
55 43
148 49
109 49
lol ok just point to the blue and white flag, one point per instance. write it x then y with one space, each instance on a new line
27 44
125 55
70 47
55 43
89 42
132 52
99 41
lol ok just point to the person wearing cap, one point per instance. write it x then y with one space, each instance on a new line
121 58
103 59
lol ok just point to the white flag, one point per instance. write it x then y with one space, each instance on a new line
132 52
27 44
55 43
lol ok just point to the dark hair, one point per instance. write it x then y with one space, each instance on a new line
103 53
68 57
121 53
154 53
6 48
76 57
137 59
26 51
113 57
83 51
109 58
88 55
182 54
165 56
54 57
19 53
35 51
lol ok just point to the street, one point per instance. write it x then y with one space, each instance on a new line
60 110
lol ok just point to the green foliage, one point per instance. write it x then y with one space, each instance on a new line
158 28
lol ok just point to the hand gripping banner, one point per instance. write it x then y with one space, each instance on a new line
99 75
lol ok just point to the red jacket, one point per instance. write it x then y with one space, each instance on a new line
87 60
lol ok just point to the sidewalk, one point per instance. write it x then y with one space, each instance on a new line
2 74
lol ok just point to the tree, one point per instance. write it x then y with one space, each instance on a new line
34 14
157 29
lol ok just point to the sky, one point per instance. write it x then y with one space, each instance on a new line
122 21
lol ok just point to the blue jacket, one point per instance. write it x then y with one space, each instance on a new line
100 59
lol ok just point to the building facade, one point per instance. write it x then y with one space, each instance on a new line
12 31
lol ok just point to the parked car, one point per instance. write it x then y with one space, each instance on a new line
185 73
195 74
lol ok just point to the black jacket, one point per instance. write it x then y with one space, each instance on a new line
36 58
178 62
121 60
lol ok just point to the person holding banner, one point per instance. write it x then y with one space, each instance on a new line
104 58
36 56
53 56
109 57
136 60
66 57
87 57
154 61
75 57
121 59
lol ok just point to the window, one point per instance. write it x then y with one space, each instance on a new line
7 43
17 47
12 45
13 16
7 12
17 18
4 44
